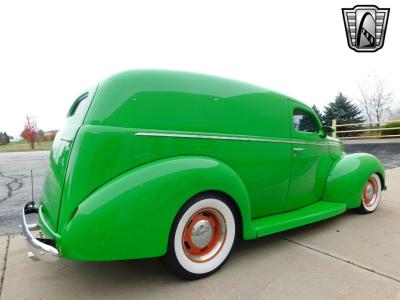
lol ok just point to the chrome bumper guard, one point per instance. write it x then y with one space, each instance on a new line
40 248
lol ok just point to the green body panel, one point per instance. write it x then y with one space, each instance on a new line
178 101
335 150
310 165
145 142
52 192
309 214
131 215
348 176
59 157
91 164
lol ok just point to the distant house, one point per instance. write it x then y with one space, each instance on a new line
49 135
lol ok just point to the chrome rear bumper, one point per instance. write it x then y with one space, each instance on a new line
40 248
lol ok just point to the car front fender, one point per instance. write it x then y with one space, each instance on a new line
348 177
131 215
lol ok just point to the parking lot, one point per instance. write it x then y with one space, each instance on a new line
350 256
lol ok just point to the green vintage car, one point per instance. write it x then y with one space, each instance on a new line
180 165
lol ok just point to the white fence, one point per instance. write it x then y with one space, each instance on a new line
370 130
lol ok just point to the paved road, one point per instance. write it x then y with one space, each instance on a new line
15 184
351 256
372 141
388 151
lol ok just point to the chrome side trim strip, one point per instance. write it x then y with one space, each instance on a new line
232 138
216 137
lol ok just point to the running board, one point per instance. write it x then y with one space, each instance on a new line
312 213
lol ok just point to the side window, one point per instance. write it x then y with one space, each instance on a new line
79 105
303 121
78 110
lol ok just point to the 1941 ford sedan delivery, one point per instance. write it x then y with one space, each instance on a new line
179 165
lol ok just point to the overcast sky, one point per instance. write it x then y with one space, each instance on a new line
51 51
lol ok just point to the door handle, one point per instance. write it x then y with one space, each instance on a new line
296 151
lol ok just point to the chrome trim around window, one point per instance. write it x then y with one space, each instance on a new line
232 138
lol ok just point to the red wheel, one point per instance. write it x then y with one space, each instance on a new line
202 236
371 194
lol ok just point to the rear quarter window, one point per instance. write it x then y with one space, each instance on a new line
79 105
79 108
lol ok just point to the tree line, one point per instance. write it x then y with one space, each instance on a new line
31 134
4 138
374 104
343 110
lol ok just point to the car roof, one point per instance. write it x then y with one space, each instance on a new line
178 81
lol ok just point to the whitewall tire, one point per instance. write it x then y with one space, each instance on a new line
202 236
371 194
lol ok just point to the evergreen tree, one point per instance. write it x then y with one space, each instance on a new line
4 138
305 124
7 137
317 111
344 112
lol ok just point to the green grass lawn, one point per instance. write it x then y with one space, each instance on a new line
24 146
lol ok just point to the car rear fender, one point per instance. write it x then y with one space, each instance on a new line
131 215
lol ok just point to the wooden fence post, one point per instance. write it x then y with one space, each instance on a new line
334 127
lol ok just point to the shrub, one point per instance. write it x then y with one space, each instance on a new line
392 131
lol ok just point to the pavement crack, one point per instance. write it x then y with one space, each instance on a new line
15 184
3 270
341 259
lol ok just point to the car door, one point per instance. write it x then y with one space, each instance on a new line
310 160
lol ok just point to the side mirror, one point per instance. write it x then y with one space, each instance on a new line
327 130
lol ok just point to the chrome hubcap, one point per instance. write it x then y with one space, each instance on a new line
369 191
202 233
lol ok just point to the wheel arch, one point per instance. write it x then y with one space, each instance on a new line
221 194
237 212
382 178
348 176
140 201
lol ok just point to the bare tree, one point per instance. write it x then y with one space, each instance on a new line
375 98
395 114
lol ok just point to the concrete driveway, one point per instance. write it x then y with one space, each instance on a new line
348 257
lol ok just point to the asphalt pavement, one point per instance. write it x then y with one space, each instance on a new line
351 256
15 184
388 151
